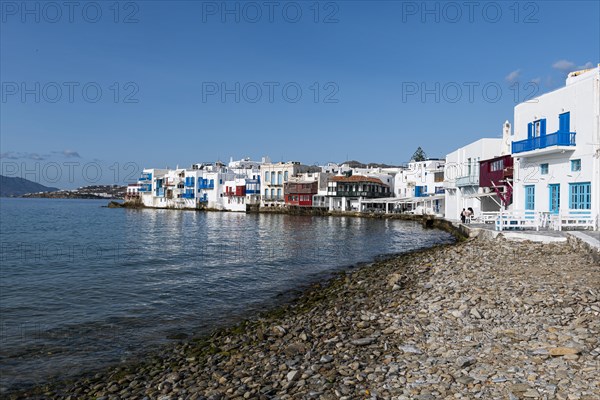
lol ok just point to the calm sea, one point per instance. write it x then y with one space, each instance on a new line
83 286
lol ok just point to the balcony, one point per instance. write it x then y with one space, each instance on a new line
187 195
272 198
555 142
145 188
469 180
146 176
450 184
189 182
206 185
367 194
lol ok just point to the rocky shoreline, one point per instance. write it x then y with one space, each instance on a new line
487 319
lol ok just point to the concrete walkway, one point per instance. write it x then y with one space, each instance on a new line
590 238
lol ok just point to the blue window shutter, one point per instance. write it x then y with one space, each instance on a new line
543 127
529 130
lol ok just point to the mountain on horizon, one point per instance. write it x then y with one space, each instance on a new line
14 187
358 164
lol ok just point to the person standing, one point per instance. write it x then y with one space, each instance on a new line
468 215
463 216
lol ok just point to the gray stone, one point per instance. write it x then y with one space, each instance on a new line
363 341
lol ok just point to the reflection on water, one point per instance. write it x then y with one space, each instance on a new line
83 286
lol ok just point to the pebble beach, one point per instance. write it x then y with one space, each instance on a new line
482 318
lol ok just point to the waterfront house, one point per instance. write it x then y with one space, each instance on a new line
234 196
133 192
273 177
307 189
250 171
210 184
345 193
556 147
420 187
299 193
420 178
496 179
385 175
201 186
464 172
150 186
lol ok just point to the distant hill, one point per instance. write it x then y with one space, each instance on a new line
14 187
358 164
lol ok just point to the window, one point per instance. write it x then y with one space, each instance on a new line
267 177
544 169
285 176
530 197
279 181
575 165
497 165
272 194
580 196
278 194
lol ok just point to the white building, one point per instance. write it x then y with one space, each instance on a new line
385 175
274 175
149 189
336 169
249 171
201 186
210 185
234 198
133 192
556 146
421 178
349 193
461 178
421 187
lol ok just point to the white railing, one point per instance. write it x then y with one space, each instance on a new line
519 220
574 219
488 217
468 180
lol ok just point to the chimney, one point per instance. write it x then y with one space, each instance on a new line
506 139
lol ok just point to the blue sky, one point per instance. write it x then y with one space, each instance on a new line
94 92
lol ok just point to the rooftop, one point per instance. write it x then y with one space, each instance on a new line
356 178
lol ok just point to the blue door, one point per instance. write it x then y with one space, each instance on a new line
564 122
554 198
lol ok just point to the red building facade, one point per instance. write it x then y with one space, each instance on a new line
497 174
300 193
238 191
